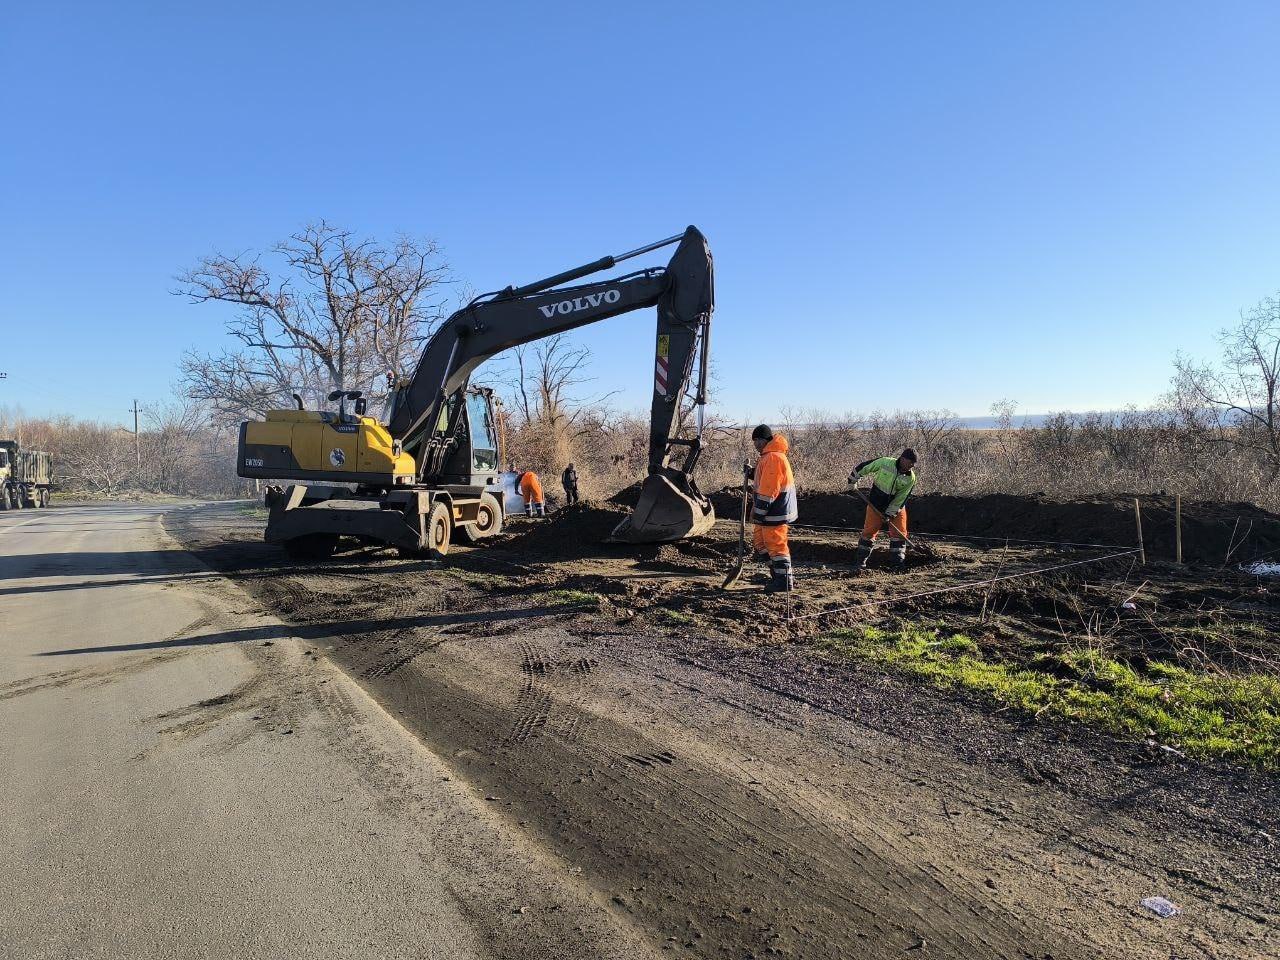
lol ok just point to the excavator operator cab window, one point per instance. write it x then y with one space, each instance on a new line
342 396
4 458
484 450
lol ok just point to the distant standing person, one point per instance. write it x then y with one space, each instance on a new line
893 479
775 506
530 488
569 480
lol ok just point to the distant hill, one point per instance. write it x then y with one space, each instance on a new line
989 423
1023 420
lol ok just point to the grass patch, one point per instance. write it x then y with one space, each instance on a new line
572 598
255 510
1232 716
674 617
467 576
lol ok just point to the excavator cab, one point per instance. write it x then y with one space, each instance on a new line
359 404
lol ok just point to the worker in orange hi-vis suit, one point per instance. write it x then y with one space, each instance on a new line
775 506
530 488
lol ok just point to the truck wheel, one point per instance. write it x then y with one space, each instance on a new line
17 498
488 521
4 499
44 498
439 529
313 546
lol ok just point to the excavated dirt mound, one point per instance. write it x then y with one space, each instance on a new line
579 530
627 496
1209 529
582 531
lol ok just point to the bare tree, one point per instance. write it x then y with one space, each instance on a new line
1236 401
545 376
552 414
339 314
171 433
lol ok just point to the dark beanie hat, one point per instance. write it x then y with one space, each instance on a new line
910 455
762 432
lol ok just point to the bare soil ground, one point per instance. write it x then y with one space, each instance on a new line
707 770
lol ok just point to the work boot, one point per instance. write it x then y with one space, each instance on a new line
897 555
781 579
862 554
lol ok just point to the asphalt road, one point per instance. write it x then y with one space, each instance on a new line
183 777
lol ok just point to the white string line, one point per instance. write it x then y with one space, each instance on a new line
961 586
962 536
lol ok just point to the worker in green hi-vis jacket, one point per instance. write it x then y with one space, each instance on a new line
893 479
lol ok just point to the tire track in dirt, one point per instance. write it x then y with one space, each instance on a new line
728 867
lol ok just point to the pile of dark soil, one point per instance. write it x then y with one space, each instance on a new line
576 531
581 532
627 496
1209 529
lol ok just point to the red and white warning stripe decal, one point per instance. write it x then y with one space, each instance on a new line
660 370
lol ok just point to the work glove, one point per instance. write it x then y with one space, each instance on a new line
891 513
853 481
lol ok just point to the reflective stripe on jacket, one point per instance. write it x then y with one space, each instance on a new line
890 488
775 486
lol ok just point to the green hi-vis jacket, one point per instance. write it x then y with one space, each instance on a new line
891 488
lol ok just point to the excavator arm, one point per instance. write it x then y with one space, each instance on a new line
682 292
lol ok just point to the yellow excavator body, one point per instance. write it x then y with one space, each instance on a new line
322 446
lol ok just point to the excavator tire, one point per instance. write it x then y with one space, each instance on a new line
439 529
669 508
488 522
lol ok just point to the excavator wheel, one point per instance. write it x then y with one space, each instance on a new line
439 529
488 521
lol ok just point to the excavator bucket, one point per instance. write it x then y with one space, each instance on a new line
670 508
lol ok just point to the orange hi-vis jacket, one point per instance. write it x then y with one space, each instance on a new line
530 487
775 486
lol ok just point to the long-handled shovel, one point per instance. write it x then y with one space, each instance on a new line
736 572
922 548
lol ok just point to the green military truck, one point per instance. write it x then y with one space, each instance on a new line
26 477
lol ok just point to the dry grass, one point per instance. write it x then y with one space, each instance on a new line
1068 456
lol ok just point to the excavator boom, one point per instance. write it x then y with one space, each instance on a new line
670 506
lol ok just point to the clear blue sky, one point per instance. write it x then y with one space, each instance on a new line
911 205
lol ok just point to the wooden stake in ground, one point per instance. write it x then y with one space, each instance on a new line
736 571
1137 519
1177 525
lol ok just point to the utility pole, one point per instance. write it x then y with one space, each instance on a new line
137 449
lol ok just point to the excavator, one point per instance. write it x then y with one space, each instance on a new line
431 473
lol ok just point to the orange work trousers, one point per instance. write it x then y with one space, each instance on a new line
771 539
874 522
